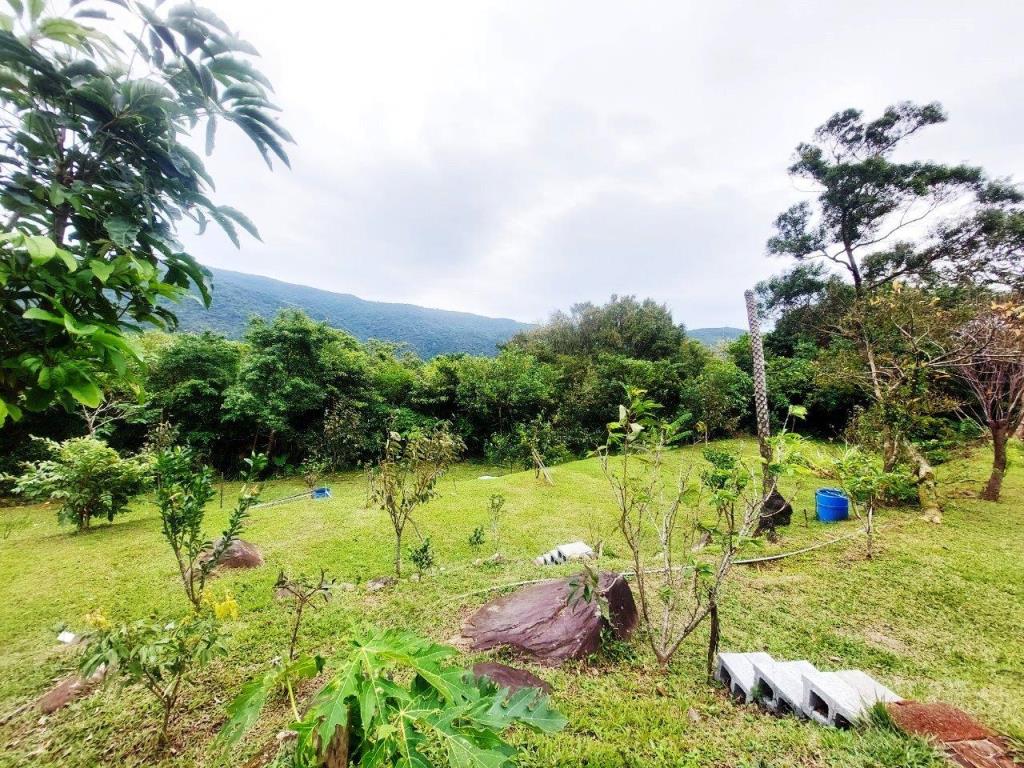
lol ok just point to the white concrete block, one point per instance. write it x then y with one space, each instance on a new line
840 699
576 550
779 685
67 637
736 672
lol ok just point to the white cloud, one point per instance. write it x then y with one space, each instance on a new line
514 158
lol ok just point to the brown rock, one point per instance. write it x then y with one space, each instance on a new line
375 585
542 621
509 677
239 554
67 690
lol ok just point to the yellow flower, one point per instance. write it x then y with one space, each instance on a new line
98 621
224 608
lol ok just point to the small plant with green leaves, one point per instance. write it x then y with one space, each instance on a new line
422 556
183 489
477 538
495 514
407 476
303 593
86 477
865 483
395 699
157 655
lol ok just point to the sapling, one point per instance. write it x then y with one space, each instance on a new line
682 586
303 593
183 489
477 537
407 476
157 655
422 556
865 483
495 513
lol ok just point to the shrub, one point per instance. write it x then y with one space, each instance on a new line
86 477
159 656
422 556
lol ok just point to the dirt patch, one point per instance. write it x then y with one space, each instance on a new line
942 722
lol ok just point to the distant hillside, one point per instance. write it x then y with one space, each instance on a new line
431 332
713 336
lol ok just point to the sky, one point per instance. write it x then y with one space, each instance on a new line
514 158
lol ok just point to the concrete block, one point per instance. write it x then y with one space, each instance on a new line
840 699
576 550
779 685
736 672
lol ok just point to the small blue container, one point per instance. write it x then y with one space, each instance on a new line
321 493
831 505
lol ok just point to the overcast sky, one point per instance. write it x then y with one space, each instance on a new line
514 158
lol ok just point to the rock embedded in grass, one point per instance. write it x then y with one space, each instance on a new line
551 622
509 677
239 554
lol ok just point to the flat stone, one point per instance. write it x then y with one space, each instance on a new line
68 690
543 621
736 672
375 585
779 685
509 677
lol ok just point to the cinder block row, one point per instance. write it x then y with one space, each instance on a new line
837 699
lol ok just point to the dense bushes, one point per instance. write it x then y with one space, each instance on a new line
299 390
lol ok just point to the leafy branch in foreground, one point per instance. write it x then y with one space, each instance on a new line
442 717
98 172
183 489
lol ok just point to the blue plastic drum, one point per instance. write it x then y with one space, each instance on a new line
831 505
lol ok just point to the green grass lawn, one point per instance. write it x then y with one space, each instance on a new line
936 615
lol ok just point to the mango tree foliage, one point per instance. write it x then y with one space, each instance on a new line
96 175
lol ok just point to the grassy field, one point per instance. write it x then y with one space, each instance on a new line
936 615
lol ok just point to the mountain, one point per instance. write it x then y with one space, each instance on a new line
431 332
713 336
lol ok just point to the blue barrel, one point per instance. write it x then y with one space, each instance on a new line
321 493
831 505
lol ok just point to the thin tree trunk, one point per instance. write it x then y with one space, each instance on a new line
1000 436
398 554
713 639
927 494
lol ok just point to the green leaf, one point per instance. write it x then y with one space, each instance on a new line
40 249
101 269
77 328
85 391
35 8
122 230
211 134
37 313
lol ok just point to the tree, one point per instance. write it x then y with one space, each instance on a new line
678 593
187 384
643 330
866 202
86 477
993 372
294 371
97 173
407 476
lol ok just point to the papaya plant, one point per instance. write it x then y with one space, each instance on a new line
368 715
